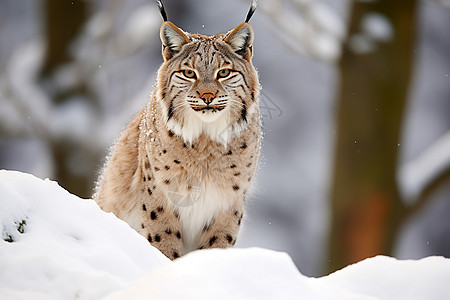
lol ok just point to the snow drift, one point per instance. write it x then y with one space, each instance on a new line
66 247
57 246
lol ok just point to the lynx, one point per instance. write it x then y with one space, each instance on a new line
181 171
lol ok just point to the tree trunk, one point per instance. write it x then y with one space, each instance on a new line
366 207
63 21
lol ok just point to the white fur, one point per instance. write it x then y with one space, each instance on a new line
195 124
133 218
212 200
215 125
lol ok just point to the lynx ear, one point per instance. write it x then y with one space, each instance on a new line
172 39
241 40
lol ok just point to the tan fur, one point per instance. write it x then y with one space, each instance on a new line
180 172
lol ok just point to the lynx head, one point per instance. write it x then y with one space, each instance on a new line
207 84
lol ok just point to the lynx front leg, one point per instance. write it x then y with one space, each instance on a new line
222 231
162 229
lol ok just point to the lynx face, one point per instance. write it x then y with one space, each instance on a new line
207 84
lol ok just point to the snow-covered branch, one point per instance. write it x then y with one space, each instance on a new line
78 106
310 28
24 106
420 177
445 3
27 105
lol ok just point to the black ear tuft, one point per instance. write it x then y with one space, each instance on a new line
162 10
172 38
241 40
251 10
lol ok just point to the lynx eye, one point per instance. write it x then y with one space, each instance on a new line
223 73
189 74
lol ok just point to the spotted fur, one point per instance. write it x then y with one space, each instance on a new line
181 170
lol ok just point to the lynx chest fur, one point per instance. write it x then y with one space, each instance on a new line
180 172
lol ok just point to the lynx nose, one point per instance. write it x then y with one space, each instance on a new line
207 98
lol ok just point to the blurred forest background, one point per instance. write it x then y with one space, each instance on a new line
355 104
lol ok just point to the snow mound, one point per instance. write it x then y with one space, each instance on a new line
264 274
55 245
222 274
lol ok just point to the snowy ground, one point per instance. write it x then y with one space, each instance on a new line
57 246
